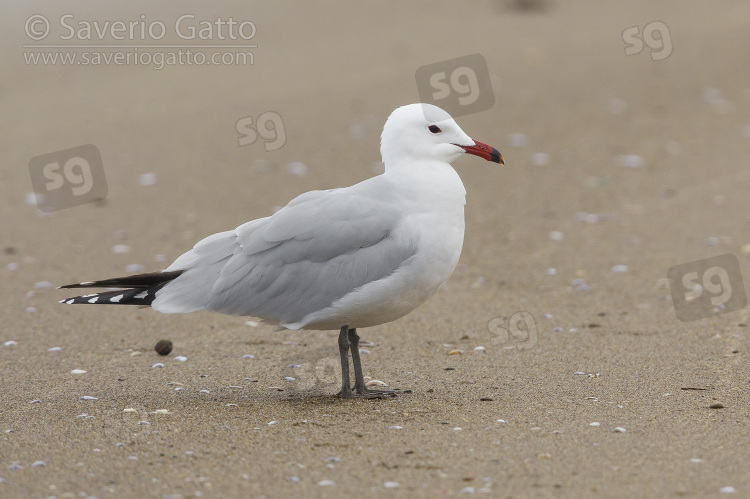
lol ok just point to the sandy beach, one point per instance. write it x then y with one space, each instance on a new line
556 362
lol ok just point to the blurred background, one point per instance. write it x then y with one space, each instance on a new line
638 159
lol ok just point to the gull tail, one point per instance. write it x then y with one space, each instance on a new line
138 289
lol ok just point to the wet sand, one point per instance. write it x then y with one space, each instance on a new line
626 167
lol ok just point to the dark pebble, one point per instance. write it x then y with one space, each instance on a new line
717 405
486 399
163 347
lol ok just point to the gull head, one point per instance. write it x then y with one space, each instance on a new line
420 132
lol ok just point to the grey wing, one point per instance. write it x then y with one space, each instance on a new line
317 249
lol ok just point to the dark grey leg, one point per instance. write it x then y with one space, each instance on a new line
359 378
346 389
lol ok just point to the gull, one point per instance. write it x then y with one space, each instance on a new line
336 259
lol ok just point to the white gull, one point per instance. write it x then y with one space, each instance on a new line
336 259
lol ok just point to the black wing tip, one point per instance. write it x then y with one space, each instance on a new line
139 289
136 296
132 281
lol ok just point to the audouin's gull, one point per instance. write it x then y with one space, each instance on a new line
341 259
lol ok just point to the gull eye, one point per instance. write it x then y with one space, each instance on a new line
434 129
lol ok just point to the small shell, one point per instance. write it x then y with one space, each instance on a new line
376 382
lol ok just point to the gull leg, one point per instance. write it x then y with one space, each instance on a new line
359 379
346 389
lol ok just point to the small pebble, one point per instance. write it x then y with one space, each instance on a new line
717 405
595 423
37 401
297 168
289 378
251 323
540 159
88 397
157 365
163 347
38 463
204 391
324 483
161 411
376 382
619 268
248 356
10 343
696 460
500 420
620 429
78 371
455 352
292 366
16 465
271 423
518 139
54 349
727 490
395 427
391 485
467 490
479 349
147 179
181 358
121 249
129 409
629 161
